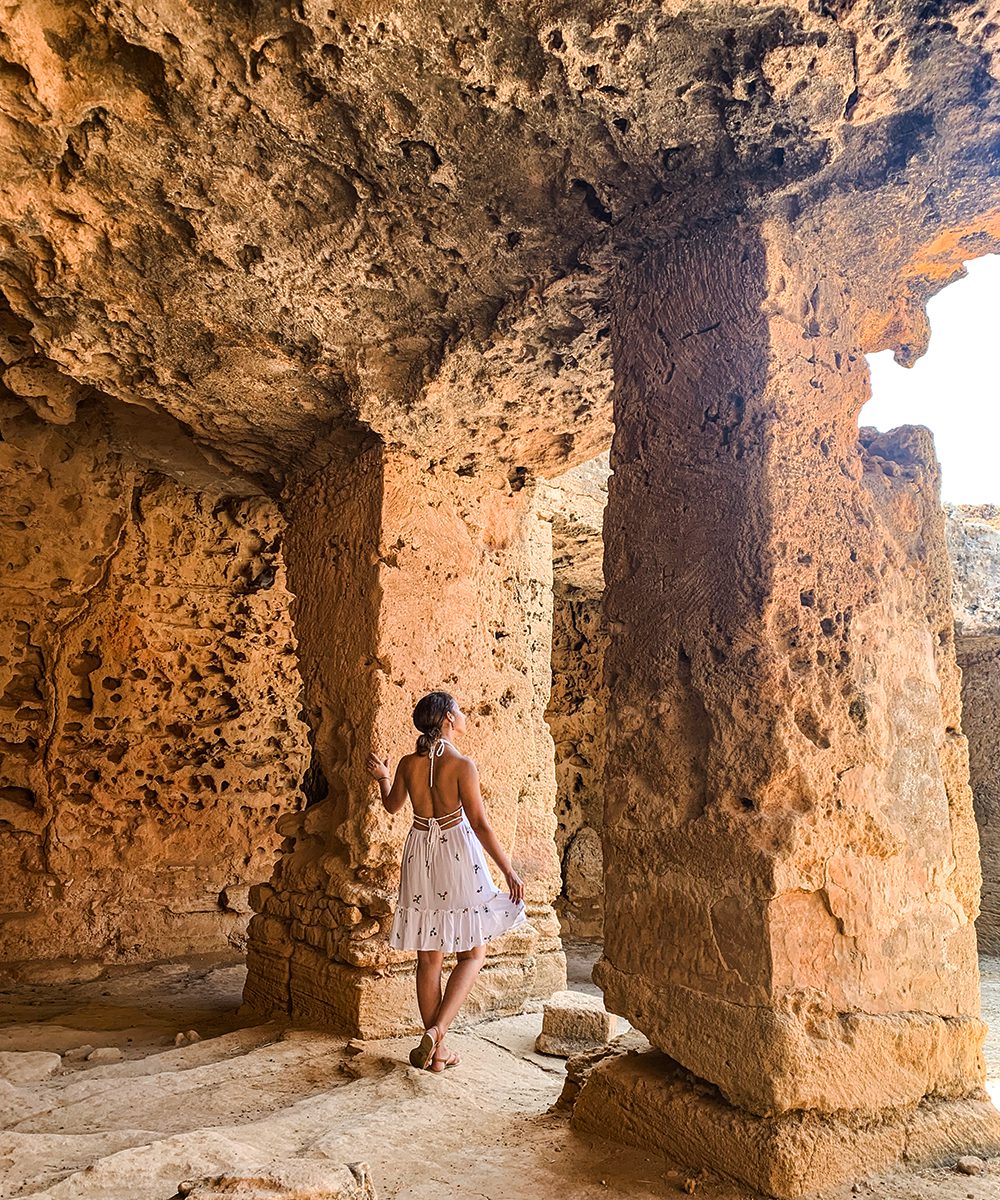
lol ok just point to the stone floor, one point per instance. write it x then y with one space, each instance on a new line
242 1096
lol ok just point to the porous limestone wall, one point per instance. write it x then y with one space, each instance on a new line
407 580
149 694
974 546
577 708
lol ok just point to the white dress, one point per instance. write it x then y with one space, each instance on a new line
447 899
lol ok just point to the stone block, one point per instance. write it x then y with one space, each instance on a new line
364 1004
105 1054
78 1053
654 1104
813 1058
969 1164
573 1022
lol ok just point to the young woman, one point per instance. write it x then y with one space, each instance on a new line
447 901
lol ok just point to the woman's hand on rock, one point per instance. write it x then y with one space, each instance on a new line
378 768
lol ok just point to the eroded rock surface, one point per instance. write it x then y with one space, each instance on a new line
781 660
397 250
149 694
283 223
284 1181
270 1101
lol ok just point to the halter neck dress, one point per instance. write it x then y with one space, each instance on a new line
447 899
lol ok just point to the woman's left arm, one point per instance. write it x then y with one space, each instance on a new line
394 797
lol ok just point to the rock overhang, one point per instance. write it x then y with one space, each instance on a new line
291 227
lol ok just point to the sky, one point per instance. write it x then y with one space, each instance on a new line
953 389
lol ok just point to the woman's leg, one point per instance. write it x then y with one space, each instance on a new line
429 964
470 963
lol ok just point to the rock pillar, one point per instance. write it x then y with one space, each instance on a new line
791 874
407 581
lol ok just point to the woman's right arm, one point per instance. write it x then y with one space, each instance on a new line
394 796
475 810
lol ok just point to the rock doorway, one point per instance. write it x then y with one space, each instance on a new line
577 708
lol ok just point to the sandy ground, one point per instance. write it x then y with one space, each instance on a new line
243 1096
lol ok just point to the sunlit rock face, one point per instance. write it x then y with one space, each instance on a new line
974 545
408 580
578 707
790 852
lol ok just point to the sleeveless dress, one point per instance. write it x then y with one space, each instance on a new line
447 899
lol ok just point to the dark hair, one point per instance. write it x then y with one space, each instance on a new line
428 717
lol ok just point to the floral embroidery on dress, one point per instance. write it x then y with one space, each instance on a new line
426 863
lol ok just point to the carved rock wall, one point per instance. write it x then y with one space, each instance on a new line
974 546
149 693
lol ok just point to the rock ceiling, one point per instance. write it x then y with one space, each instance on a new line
288 225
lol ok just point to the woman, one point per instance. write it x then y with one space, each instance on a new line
447 902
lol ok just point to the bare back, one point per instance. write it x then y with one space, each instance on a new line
446 794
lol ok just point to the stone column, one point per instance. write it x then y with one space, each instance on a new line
407 581
790 851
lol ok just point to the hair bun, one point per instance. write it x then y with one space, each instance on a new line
428 717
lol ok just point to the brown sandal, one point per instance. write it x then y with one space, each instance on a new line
421 1056
442 1064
